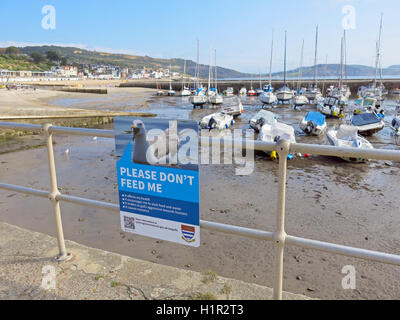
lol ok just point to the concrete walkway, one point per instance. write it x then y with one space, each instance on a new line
97 274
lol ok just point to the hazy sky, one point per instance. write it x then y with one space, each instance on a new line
240 31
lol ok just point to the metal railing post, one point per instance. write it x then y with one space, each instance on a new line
63 255
280 234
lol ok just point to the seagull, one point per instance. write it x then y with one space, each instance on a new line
156 152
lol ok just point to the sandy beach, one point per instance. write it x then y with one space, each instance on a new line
327 199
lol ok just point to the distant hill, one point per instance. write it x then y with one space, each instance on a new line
81 56
333 70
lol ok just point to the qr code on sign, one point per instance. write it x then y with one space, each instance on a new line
129 222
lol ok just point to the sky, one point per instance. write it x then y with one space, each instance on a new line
240 31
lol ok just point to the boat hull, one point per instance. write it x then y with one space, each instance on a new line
268 98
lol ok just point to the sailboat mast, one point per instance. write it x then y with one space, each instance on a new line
325 74
341 63
284 64
209 69
197 65
215 73
270 63
315 57
345 54
378 49
301 67
184 72
170 77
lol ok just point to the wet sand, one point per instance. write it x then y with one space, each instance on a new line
327 199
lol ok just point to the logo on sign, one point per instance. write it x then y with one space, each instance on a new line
187 233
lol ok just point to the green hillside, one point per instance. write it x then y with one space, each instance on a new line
81 56
22 62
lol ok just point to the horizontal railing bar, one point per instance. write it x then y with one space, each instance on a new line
236 230
344 250
88 202
22 126
326 150
230 229
24 190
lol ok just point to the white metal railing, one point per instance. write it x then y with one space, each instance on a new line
279 236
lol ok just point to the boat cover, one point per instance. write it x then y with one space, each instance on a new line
268 116
284 131
347 132
363 119
318 118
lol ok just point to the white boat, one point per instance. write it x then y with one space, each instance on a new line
314 123
276 132
185 92
242 91
331 107
268 97
259 91
260 118
171 92
284 94
217 121
216 99
199 98
347 136
368 123
300 99
229 92
313 93
233 107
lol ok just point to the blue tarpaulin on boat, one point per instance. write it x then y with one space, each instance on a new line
318 118
365 119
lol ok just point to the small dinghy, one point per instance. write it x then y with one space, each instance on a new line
368 123
313 123
262 117
331 107
217 120
233 107
347 136
276 132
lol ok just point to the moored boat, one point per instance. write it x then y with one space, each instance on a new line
219 121
314 123
347 137
368 123
260 118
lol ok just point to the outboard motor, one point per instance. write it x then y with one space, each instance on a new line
310 127
211 124
396 124
259 123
